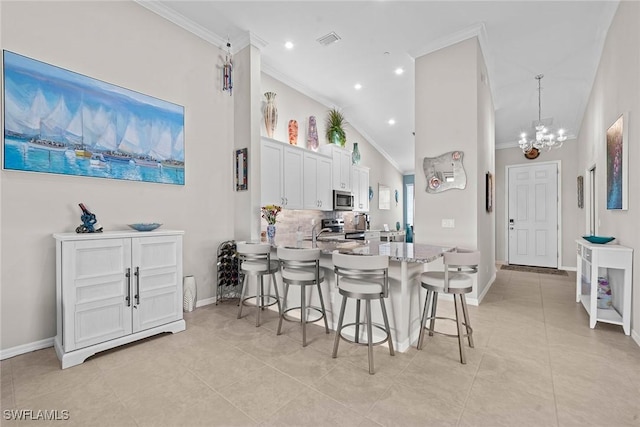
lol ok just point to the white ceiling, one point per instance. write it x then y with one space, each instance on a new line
519 39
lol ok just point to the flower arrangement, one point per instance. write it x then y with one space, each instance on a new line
270 212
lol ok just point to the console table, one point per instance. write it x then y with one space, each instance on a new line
614 262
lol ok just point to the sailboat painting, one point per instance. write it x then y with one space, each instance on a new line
58 121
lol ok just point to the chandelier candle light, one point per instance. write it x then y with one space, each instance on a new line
544 138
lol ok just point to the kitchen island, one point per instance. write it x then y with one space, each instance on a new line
407 262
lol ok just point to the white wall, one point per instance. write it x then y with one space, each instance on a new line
293 104
570 213
616 90
124 44
454 111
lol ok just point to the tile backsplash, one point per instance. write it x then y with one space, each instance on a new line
289 221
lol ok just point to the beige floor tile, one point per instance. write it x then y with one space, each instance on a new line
261 394
184 401
493 403
402 405
7 400
312 408
304 364
354 388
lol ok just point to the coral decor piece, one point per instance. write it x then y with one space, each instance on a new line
312 138
270 114
293 132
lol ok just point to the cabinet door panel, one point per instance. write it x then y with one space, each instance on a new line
293 161
324 184
310 181
271 173
157 271
95 289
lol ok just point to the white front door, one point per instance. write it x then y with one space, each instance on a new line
532 217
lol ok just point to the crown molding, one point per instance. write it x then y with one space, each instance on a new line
180 20
247 39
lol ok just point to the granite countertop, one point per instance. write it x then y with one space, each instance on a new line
397 251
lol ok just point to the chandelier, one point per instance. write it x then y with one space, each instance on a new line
544 138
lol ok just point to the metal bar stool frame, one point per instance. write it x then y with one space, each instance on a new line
363 269
457 267
250 256
301 267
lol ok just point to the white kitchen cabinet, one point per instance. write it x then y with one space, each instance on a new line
318 189
281 174
360 188
613 262
114 288
341 166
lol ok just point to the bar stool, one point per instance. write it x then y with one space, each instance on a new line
457 281
301 267
362 278
255 260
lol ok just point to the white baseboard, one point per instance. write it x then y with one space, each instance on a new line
635 336
567 268
206 301
26 348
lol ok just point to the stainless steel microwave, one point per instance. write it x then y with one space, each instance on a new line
342 200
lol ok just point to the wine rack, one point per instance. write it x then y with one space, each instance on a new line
229 279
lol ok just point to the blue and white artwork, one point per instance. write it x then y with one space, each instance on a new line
61 122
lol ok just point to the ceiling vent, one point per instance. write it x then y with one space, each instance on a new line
328 39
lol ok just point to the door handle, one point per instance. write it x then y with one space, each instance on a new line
137 295
128 297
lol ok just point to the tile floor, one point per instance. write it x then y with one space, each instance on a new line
536 363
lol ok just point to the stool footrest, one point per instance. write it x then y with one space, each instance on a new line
467 327
293 319
364 325
271 301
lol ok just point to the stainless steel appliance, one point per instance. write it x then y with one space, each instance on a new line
342 200
354 235
335 225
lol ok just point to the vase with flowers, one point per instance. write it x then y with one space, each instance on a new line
270 214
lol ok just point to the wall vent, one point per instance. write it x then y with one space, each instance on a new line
328 39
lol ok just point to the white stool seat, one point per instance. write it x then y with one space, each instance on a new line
356 286
260 267
458 282
301 275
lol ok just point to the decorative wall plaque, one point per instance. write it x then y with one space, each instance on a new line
445 172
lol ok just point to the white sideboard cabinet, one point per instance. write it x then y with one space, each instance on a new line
614 264
114 288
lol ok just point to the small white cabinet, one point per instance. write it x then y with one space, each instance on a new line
281 174
360 188
113 288
341 166
613 262
318 189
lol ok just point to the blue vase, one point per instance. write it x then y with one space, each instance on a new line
271 234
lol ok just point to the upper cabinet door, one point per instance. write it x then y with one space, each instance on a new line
293 161
341 166
324 184
272 173
156 281
95 291
318 190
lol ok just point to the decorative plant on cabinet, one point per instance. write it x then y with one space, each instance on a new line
335 128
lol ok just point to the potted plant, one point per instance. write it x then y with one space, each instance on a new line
335 128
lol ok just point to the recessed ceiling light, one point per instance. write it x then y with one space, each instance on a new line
392 121
399 71
357 86
288 45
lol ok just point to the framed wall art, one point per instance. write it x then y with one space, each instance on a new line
61 122
242 183
488 184
617 165
580 191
